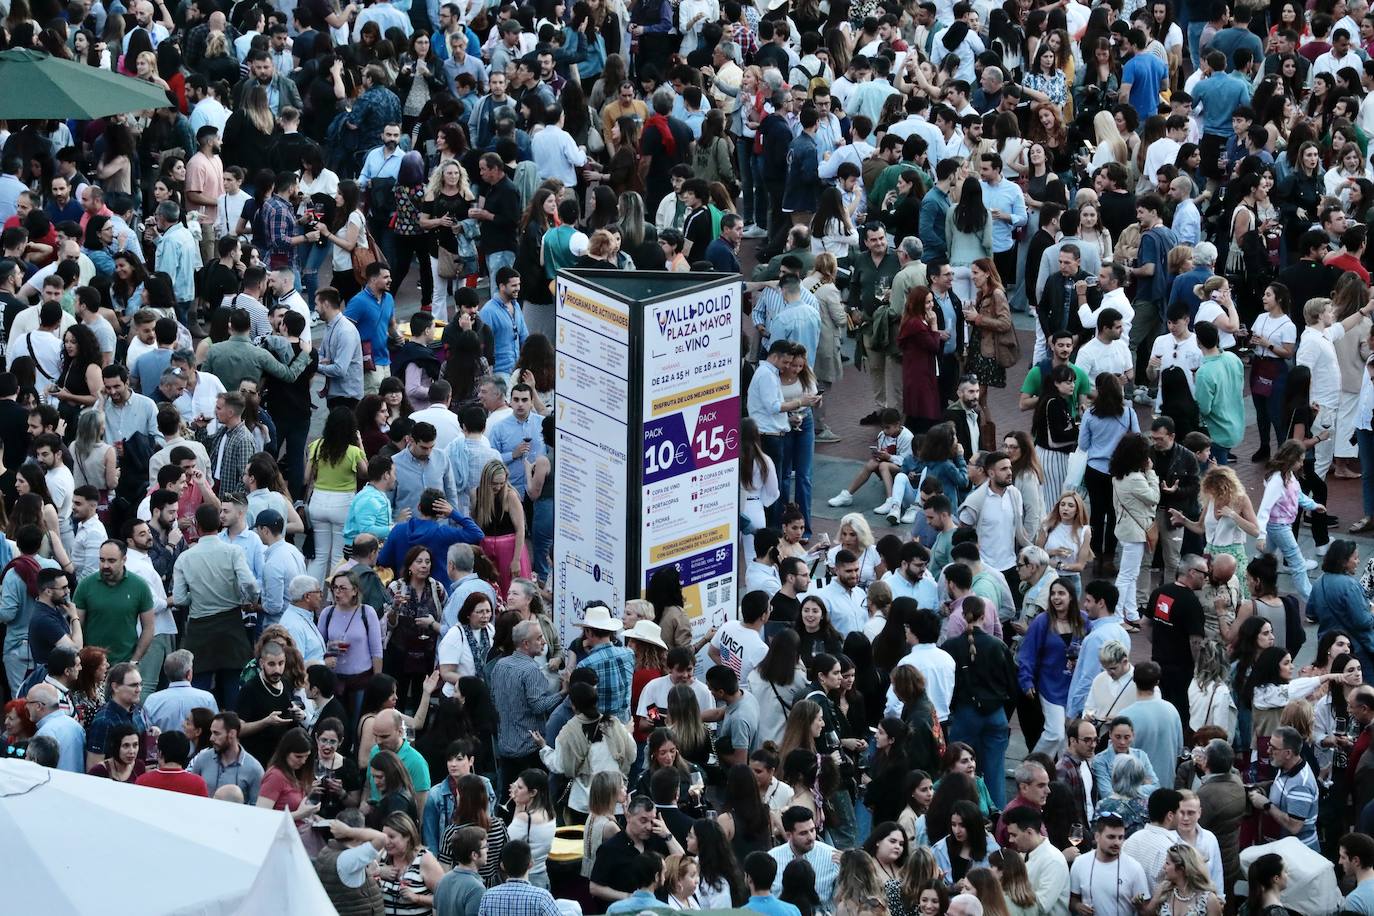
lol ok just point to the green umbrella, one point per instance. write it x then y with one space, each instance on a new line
40 86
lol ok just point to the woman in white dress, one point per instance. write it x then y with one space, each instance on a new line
758 487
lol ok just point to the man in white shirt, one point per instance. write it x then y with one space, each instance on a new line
47 452
1107 351
1110 278
1176 348
137 562
995 510
88 533
1163 151
439 415
1150 844
762 572
1199 837
1107 881
1317 351
842 595
43 346
1045 866
739 644
1340 55
202 389
653 699
934 663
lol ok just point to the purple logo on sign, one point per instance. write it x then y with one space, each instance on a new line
709 564
669 450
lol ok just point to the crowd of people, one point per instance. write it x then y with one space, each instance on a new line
325 532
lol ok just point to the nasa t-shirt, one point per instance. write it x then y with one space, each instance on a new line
740 648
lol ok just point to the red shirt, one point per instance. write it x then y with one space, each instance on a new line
174 781
1347 261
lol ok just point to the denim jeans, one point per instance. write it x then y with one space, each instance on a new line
496 260
295 436
1221 454
312 258
1364 438
775 447
1279 539
843 826
800 450
988 735
541 537
1194 38
223 683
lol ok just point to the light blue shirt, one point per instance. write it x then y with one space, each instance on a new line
1100 632
507 436
1218 96
137 415
765 400
168 708
300 623
1187 223
179 257
799 323
380 164
924 591
341 358
821 858
70 738
1098 436
508 333
556 155
1361 899
639 900
414 476
1004 196
1102 770
16 607
248 541
282 562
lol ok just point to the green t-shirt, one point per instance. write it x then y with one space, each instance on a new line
341 477
112 613
1081 387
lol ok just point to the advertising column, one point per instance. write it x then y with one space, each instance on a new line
592 452
690 410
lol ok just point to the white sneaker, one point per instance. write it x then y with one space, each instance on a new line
909 516
755 232
842 498
892 516
884 508
1321 551
1311 565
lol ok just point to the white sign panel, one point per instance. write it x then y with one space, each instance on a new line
689 455
593 362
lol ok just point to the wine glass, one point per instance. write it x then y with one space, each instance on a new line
1076 834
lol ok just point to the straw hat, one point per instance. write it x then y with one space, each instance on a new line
647 631
599 618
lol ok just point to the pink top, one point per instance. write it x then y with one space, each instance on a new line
283 788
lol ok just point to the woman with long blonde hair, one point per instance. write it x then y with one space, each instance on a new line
804 724
445 204
1067 537
988 891
498 512
857 888
1010 869
904 892
1185 888
1227 518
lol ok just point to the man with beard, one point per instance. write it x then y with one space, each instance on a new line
116 608
265 703
225 762
204 186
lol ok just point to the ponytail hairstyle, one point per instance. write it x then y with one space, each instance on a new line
972 609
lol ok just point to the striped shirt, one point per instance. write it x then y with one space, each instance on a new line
821 858
1295 794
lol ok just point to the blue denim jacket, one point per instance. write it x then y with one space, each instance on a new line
439 807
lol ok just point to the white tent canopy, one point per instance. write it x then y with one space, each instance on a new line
77 845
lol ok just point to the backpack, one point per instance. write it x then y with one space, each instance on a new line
812 81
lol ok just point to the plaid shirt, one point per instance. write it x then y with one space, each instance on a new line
615 669
279 225
517 897
523 702
747 40
229 450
